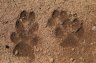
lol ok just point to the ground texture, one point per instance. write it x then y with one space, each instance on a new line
49 31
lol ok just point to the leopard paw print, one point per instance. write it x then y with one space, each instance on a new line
66 27
25 37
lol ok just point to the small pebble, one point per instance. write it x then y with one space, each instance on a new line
73 49
51 60
37 50
91 43
72 59
94 28
16 52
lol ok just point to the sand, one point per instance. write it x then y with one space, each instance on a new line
48 49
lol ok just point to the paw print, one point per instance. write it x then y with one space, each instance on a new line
66 27
25 37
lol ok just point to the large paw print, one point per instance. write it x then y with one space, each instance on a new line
66 27
25 37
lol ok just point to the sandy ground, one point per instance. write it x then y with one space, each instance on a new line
48 49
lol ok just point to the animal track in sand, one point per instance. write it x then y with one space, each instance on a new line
69 29
25 37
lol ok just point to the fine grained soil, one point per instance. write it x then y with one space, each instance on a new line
47 31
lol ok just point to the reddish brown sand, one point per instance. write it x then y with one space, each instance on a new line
47 31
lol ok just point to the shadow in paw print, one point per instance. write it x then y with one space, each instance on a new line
64 16
34 27
58 32
52 21
55 14
70 41
66 26
25 36
80 31
24 50
35 40
61 16
14 37
31 17
19 26
23 14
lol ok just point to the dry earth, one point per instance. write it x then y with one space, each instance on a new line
47 31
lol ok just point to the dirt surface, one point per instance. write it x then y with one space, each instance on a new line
47 31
